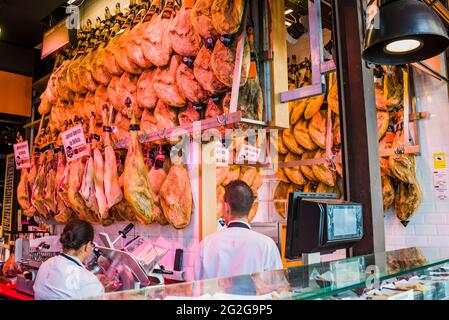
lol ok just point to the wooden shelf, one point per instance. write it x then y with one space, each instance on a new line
197 126
41 84
404 150
35 124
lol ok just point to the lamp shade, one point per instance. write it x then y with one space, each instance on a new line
405 31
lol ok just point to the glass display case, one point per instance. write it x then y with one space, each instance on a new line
412 273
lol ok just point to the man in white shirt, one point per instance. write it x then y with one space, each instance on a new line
236 250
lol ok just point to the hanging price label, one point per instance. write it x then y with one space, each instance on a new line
74 143
248 153
22 155
221 155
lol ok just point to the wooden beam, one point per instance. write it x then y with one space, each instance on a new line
359 124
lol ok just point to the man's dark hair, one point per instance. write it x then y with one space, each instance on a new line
240 198
76 234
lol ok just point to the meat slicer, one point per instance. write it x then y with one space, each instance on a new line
29 256
132 266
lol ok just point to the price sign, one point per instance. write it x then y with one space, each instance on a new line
248 153
221 155
22 155
75 145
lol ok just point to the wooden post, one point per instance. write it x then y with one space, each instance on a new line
279 75
358 124
208 190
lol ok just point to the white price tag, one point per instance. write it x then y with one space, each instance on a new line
248 153
221 155
74 143
22 155
440 184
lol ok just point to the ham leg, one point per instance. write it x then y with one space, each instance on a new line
112 187
136 185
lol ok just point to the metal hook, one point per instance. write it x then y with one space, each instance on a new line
164 136
332 163
224 121
399 150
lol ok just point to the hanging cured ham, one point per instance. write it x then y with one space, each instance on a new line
146 96
227 15
75 179
31 177
85 73
126 88
49 194
166 117
37 199
188 116
223 62
136 185
22 191
99 71
176 196
98 173
73 80
148 123
184 38
101 98
165 87
112 66
205 75
188 86
123 210
64 91
201 18
87 188
63 211
112 96
112 187
157 45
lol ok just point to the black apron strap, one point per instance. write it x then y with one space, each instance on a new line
71 259
238 225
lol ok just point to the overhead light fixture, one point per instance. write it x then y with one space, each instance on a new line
418 34
296 30
403 46
288 11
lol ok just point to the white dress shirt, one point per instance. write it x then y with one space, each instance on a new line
236 251
62 278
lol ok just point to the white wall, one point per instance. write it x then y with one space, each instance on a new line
430 226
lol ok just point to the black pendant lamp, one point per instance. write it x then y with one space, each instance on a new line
408 31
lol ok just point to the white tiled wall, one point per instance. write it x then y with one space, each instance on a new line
430 225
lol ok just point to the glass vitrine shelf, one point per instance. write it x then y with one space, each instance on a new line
318 281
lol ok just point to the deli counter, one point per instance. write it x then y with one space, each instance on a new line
406 274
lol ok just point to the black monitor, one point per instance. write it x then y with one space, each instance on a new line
321 223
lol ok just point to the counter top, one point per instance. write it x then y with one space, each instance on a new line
12 294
